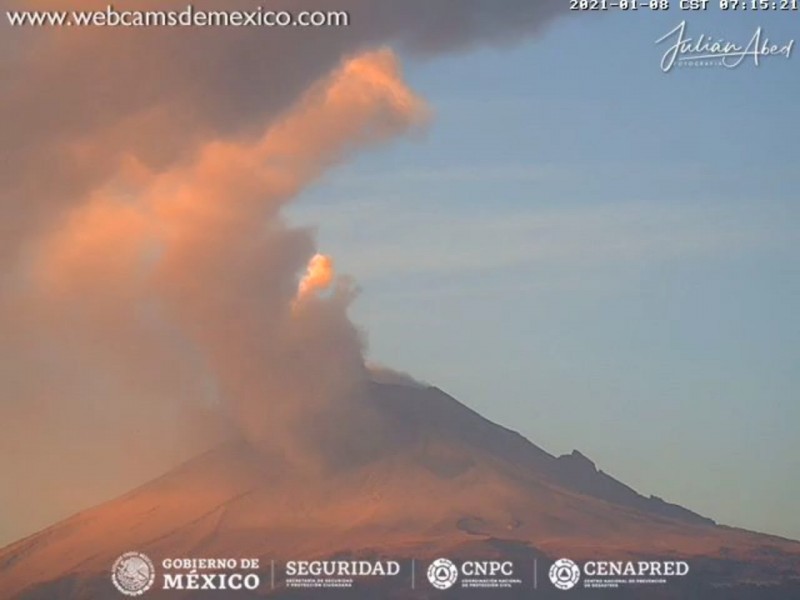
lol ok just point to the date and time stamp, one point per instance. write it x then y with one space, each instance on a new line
685 5
685 48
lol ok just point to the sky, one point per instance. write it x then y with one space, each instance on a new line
597 254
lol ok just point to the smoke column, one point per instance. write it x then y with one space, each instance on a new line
149 287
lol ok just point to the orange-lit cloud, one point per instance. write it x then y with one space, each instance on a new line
166 297
146 274
319 276
80 100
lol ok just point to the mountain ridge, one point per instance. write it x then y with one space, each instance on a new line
473 481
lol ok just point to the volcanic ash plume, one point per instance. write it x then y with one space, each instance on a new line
318 277
146 278
229 265
166 297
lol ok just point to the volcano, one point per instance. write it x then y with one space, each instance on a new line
444 482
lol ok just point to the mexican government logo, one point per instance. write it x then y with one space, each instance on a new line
133 573
442 574
565 574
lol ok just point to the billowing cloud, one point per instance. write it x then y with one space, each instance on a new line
381 374
318 277
166 296
146 276
76 103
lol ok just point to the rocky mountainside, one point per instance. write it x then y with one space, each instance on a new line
445 482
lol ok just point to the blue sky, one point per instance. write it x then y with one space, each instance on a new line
598 255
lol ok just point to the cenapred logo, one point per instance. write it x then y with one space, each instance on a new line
133 573
442 573
565 574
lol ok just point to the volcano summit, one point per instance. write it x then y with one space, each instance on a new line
442 481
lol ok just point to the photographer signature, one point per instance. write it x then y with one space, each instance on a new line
718 51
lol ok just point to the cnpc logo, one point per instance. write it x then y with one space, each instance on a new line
443 573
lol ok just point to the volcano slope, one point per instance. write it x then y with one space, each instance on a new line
440 481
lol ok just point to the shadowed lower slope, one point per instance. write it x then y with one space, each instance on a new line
445 481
